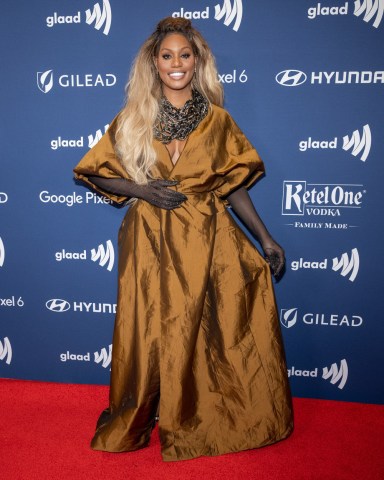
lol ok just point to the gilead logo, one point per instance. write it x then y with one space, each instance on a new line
45 80
289 318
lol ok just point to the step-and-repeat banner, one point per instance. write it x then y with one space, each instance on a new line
304 81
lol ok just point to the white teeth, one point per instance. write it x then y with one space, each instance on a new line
176 74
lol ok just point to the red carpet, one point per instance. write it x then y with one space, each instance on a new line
45 430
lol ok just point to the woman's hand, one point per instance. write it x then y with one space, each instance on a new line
157 194
243 207
274 255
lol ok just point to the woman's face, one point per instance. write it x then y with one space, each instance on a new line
175 64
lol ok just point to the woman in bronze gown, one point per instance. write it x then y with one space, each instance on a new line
196 334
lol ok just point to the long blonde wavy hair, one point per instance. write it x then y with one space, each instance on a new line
134 133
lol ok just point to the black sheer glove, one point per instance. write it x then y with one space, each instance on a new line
242 205
274 255
155 192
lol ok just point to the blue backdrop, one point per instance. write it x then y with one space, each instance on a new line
304 81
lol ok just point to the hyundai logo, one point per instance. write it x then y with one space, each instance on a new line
291 78
58 305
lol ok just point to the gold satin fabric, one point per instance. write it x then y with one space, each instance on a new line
196 329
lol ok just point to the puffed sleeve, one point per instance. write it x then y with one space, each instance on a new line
240 164
102 161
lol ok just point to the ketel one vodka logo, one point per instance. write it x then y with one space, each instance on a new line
320 199
100 17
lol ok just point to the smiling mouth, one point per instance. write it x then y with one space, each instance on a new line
176 75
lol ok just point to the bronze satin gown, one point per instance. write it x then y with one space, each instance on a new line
196 326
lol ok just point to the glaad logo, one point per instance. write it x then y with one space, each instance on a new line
100 17
59 305
45 81
289 318
294 78
61 142
104 255
314 12
335 373
94 139
2 253
104 357
356 142
231 12
291 78
72 80
3 197
347 265
368 8
64 357
6 351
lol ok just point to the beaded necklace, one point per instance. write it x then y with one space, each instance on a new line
177 123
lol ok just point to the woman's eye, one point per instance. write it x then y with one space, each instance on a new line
186 55
166 56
